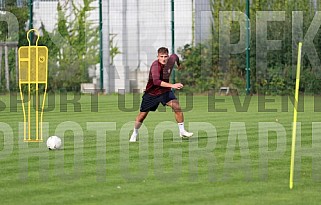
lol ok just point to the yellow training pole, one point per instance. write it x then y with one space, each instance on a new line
295 114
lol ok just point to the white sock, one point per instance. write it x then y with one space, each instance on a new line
135 131
181 127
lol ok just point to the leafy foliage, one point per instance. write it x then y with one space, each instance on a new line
78 48
272 74
19 14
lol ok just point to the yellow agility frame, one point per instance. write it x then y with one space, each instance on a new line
33 69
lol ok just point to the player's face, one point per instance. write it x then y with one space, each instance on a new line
162 58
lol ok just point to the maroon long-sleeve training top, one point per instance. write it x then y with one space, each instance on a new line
158 73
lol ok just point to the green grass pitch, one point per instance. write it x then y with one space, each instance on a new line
240 153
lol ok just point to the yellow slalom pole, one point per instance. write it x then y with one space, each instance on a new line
295 114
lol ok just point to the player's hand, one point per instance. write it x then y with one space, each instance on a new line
180 67
178 86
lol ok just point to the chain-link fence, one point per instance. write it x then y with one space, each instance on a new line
136 29
111 44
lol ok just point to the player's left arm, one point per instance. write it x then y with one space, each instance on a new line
177 62
179 66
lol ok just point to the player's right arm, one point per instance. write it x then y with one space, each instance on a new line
155 73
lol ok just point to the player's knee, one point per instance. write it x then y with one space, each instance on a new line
177 108
141 117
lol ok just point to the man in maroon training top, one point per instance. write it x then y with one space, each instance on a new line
158 90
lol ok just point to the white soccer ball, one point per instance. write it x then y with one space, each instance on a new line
53 142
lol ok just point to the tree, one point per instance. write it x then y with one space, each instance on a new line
21 15
77 40
278 77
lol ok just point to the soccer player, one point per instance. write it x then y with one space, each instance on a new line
158 90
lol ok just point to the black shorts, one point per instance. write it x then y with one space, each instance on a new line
150 102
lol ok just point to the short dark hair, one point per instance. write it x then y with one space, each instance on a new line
162 50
